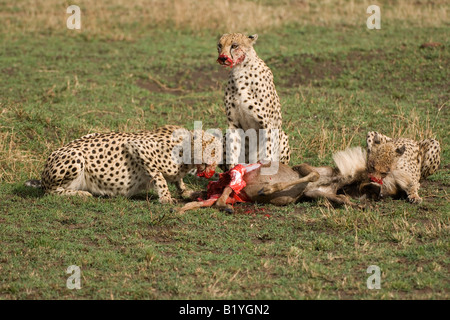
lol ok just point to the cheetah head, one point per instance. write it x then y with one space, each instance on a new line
382 159
211 152
234 48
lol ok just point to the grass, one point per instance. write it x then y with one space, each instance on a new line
336 79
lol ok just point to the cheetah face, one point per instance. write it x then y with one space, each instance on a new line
206 170
234 48
381 160
211 154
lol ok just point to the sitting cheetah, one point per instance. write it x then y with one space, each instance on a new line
125 164
399 164
251 101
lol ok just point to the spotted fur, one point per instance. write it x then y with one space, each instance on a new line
118 163
400 164
251 100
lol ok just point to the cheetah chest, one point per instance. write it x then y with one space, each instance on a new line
245 105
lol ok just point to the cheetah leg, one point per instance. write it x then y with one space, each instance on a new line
66 192
431 155
160 184
412 190
64 174
274 146
185 192
233 147
285 155
269 145
410 185
136 151
270 189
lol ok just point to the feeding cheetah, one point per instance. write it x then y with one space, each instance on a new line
125 164
399 164
251 100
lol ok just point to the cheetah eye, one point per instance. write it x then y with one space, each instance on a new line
234 46
219 46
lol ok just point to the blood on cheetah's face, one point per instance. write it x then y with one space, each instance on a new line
381 159
211 152
233 48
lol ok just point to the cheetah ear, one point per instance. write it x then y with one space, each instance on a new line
400 150
369 139
221 36
253 38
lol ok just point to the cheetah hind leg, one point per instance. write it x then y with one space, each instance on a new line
431 155
67 192
66 181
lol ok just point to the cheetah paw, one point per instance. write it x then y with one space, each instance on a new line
415 199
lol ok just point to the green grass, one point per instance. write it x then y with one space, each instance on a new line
335 85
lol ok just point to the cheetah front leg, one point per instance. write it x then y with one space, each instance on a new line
232 147
412 190
139 152
409 184
161 187
274 145
183 190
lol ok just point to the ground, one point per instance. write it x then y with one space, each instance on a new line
336 81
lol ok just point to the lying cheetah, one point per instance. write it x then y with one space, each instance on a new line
251 101
125 164
399 164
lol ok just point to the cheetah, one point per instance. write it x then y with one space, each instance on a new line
251 101
116 163
399 164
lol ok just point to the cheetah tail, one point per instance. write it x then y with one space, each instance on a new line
33 183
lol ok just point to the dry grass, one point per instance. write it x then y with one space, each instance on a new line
412 125
13 159
121 19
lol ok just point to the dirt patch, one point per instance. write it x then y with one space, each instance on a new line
9 71
291 71
304 69
203 79
156 86
184 81
250 209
